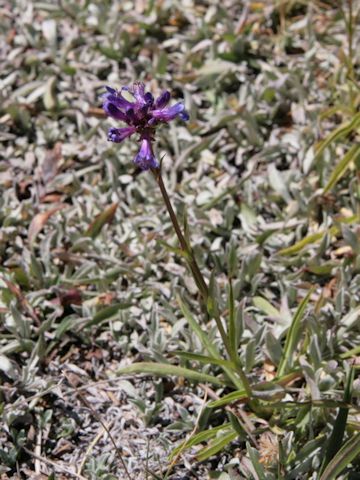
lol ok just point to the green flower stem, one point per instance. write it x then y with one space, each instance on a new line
199 279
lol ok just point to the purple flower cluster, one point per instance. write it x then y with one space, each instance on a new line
142 116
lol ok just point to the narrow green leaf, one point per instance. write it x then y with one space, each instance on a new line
216 446
335 109
229 398
273 347
207 344
164 370
232 260
49 97
70 322
342 166
292 336
351 238
350 353
337 435
269 391
110 52
203 337
310 239
205 359
199 438
238 426
342 131
266 307
254 457
162 63
348 453
175 250
107 312
104 217
317 237
309 449
349 321
313 403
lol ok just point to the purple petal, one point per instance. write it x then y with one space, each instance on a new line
131 116
184 115
110 90
145 159
149 99
167 114
118 100
138 91
117 135
162 100
114 112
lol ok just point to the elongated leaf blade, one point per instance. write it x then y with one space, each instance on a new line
107 313
342 166
229 398
342 131
216 446
317 237
104 217
164 370
266 307
349 451
208 345
309 240
205 359
203 337
199 438
255 462
337 435
292 336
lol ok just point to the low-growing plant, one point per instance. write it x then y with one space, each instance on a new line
227 366
231 275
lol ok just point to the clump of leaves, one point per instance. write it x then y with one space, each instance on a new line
266 176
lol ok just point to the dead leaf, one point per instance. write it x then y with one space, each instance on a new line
71 296
63 446
25 305
40 220
49 167
96 112
52 198
66 257
345 251
106 298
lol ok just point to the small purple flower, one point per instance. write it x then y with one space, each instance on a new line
142 116
117 135
167 114
145 159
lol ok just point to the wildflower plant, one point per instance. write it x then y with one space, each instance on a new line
274 197
143 114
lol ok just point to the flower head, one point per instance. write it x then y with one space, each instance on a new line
142 116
